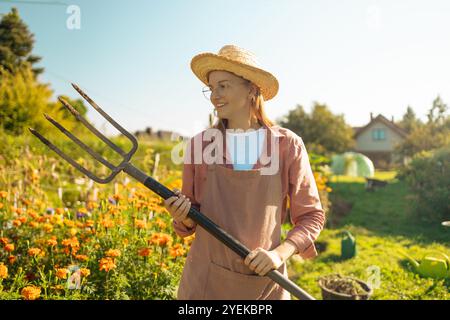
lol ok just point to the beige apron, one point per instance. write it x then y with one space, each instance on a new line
247 205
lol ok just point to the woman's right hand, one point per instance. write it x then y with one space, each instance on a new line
178 207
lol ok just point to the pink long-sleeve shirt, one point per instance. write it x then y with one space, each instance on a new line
298 183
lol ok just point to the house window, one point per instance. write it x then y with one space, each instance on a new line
378 134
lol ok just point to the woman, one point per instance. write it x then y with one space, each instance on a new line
248 199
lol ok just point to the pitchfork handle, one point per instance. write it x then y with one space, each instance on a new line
215 230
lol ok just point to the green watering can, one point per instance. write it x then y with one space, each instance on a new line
433 265
348 245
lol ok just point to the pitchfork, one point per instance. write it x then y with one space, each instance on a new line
150 183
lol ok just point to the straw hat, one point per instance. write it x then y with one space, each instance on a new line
238 61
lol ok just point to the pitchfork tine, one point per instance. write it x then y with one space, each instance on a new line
91 127
107 117
64 156
80 143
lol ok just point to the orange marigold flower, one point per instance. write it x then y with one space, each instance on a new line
161 239
160 223
35 252
107 223
61 273
69 223
176 251
92 205
52 242
3 271
58 287
17 223
32 213
117 197
113 253
72 242
9 247
74 250
112 209
4 240
31 292
73 231
166 240
81 257
1 205
139 204
3 194
107 264
139 194
122 222
140 224
89 223
55 219
85 272
33 224
12 259
71 245
59 210
48 228
144 252
82 210
155 200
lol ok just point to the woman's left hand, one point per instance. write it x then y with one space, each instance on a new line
262 261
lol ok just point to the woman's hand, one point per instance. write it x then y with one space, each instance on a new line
178 207
262 261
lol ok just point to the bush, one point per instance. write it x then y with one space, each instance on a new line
321 169
22 101
428 175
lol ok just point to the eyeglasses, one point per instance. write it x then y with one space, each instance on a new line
222 88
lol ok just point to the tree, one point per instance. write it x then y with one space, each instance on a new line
434 134
16 44
409 121
322 131
438 118
22 100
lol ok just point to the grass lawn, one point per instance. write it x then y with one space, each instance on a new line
383 225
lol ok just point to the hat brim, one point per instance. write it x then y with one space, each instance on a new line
204 63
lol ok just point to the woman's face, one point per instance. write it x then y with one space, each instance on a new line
230 94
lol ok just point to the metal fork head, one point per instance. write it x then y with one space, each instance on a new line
126 156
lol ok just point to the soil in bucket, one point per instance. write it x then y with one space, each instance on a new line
338 287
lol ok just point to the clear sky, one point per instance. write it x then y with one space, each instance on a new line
133 57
